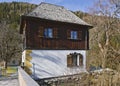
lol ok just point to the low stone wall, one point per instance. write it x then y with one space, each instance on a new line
102 77
25 79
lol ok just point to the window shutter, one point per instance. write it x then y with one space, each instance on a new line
55 33
41 32
69 60
80 35
80 60
68 34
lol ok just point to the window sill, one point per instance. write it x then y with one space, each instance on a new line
74 39
48 37
75 66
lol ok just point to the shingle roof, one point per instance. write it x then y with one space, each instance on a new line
57 13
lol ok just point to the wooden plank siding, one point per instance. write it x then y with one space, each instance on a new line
61 36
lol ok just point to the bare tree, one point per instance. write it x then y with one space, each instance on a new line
116 3
106 28
9 43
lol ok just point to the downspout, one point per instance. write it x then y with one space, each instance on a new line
86 35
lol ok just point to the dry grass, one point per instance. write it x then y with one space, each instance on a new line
6 72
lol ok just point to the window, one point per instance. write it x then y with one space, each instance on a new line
74 60
74 57
74 35
48 33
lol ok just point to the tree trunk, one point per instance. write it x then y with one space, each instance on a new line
6 64
104 60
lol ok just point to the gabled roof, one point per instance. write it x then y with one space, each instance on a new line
56 13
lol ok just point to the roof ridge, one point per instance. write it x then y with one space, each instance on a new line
50 4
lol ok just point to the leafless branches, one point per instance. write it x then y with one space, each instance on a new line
9 42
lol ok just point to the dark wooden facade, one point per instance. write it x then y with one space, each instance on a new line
34 35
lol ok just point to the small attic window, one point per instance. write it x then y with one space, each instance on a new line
74 35
48 33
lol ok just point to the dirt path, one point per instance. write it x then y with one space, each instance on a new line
9 82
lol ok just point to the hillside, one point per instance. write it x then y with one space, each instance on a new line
12 11
10 39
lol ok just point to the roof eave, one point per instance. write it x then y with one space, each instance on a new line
87 25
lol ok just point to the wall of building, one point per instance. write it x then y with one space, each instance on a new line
24 79
52 63
34 36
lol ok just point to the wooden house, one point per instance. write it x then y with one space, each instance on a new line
54 42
